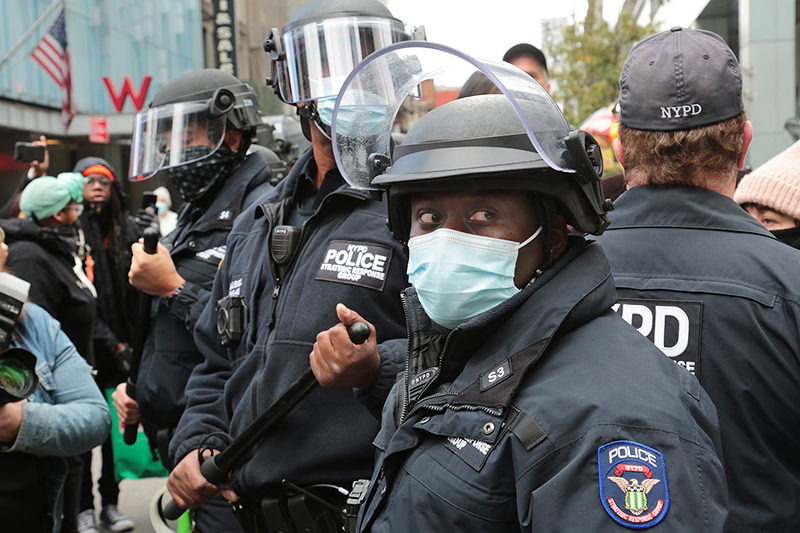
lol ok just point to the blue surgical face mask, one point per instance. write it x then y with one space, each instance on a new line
364 119
459 276
161 207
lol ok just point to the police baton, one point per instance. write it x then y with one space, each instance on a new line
217 467
150 238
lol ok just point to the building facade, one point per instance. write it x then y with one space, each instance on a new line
121 52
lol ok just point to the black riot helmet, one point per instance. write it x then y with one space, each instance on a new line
516 140
324 40
195 109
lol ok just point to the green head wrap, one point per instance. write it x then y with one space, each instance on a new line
46 196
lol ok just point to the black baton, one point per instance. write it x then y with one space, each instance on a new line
142 327
217 467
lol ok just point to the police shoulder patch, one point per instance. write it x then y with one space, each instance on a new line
355 263
633 483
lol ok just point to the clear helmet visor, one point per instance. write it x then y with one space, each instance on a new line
172 135
365 110
320 55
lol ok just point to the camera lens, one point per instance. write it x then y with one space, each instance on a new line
14 378
222 320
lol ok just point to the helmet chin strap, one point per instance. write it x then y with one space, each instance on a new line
308 115
546 213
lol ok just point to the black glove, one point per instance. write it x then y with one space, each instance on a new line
147 218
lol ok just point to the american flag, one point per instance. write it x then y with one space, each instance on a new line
52 54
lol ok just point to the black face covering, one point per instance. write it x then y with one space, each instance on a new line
790 236
100 209
68 232
195 179
71 238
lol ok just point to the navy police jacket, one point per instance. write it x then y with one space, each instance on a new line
345 255
546 413
721 296
198 246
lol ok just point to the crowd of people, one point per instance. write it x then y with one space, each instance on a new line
539 357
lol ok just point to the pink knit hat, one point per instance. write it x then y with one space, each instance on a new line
775 184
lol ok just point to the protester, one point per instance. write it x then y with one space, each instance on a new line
47 249
207 164
477 84
526 404
699 276
771 194
531 60
66 416
167 219
110 231
291 293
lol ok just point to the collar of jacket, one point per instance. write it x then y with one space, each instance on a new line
577 288
667 206
285 190
20 229
230 196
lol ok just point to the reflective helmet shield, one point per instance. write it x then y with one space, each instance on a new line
191 110
318 56
161 134
380 84
515 140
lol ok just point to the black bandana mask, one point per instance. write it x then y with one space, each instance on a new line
195 179
100 209
790 236
71 238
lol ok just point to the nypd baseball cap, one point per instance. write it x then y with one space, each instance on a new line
678 80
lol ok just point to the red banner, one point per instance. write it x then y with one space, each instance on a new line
620 469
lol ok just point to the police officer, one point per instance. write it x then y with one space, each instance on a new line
698 275
308 245
526 403
198 128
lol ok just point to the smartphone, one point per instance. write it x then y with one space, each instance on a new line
148 199
27 152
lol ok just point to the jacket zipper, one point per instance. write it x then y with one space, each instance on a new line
279 281
405 413
440 408
404 301
276 291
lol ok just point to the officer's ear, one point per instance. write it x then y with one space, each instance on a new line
617 146
558 237
233 138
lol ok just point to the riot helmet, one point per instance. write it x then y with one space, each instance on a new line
324 40
516 140
183 131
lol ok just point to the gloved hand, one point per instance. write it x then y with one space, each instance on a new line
146 218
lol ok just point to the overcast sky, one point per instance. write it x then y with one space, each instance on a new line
485 29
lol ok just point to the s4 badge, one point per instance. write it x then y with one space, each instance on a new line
633 483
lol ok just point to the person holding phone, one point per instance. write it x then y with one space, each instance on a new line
38 168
